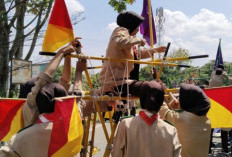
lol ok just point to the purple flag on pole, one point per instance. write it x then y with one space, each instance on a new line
144 27
219 59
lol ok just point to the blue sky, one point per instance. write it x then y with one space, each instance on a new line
193 25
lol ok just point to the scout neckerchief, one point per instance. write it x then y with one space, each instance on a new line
46 117
148 120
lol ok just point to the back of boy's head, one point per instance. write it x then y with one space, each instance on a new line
129 20
193 99
219 71
45 97
26 87
151 96
220 66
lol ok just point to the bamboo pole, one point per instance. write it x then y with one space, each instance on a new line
107 152
97 107
86 136
93 134
150 25
123 60
111 120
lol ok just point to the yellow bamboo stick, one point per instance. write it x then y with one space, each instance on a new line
97 107
86 136
93 134
124 60
107 152
131 61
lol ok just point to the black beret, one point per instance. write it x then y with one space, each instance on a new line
193 99
129 20
45 97
151 96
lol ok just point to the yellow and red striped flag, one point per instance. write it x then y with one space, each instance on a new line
59 31
10 117
67 132
220 113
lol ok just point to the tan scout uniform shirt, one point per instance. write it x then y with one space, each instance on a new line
30 142
134 138
120 47
193 131
217 80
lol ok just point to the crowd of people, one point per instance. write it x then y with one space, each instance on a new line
163 127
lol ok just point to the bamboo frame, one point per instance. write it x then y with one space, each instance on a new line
123 60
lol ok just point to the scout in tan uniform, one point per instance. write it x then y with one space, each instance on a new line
34 140
147 135
217 79
121 44
30 110
218 76
190 120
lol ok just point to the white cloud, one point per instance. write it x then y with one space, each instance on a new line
112 26
74 6
199 34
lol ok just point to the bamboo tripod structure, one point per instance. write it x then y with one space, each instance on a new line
113 125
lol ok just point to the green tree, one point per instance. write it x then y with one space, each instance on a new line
170 75
16 30
120 5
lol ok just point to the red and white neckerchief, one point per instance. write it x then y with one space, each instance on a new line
148 120
47 117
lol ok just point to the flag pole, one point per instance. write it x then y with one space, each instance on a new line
150 26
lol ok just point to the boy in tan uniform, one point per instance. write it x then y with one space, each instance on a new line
30 110
34 140
147 135
114 75
190 120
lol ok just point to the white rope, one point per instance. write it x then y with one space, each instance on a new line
94 90
113 76
103 84
127 82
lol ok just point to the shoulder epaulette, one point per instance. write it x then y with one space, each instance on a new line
25 128
121 33
168 122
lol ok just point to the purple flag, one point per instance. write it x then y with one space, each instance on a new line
144 27
219 59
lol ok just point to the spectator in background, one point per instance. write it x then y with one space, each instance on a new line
217 79
218 76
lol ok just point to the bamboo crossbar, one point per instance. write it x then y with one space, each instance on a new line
123 60
105 97
113 59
